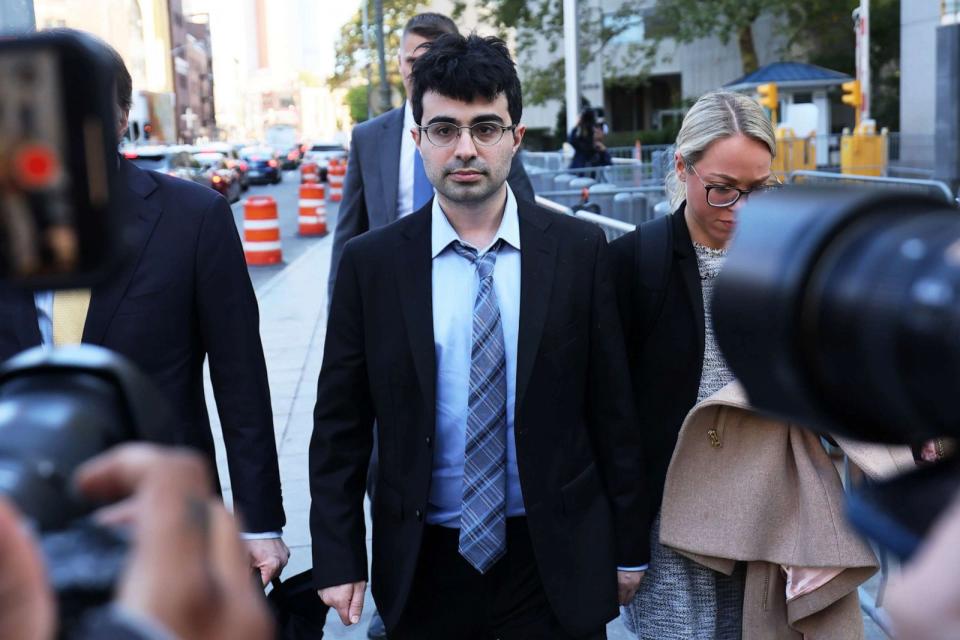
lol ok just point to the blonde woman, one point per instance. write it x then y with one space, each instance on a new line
665 276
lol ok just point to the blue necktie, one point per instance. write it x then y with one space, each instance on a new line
422 189
483 515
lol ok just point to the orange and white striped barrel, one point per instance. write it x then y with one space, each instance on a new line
335 176
313 210
309 173
261 231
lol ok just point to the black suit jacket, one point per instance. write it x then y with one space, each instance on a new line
665 367
578 450
371 184
180 293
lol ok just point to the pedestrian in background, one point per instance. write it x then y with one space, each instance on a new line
586 139
510 484
666 271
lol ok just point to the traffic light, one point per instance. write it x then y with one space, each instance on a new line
853 97
851 94
768 95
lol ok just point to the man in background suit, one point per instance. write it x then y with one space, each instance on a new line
180 293
385 179
481 334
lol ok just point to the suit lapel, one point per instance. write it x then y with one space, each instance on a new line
690 271
389 150
131 201
414 282
538 252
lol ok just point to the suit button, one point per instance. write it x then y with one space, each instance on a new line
419 515
429 441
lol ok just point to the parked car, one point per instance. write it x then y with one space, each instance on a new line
263 165
321 153
220 177
289 157
168 160
232 154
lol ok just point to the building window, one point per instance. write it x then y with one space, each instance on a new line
630 29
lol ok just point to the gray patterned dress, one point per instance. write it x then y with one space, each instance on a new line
678 598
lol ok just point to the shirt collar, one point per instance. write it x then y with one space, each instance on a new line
408 122
442 233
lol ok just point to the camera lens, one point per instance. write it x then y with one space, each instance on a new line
841 309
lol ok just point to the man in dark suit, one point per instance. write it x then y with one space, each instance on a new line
385 180
180 293
481 333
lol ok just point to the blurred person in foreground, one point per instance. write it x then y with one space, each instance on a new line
187 574
178 295
510 487
753 562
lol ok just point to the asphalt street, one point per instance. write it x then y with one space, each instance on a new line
287 195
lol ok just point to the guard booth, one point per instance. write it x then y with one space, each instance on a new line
804 105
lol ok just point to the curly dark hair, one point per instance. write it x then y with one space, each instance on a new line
465 68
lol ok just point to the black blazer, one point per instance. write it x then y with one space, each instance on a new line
180 293
665 368
577 451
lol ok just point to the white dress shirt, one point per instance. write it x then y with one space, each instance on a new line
407 150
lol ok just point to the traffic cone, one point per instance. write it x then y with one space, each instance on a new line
313 210
335 176
261 231
309 173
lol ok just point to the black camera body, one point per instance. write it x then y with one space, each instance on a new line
58 408
839 309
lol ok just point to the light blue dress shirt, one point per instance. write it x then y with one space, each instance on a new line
455 285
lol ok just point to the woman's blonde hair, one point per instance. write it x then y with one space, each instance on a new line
715 116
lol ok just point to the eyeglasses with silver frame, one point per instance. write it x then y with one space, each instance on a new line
485 134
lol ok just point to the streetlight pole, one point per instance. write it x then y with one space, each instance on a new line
367 58
384 87
571 54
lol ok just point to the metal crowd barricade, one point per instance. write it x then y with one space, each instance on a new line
933 188
612 228
633 205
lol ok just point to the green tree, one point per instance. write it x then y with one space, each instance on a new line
351 58
357 102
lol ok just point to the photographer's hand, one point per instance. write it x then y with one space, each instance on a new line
27 609
188 569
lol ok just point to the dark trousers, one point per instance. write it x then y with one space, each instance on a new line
451 599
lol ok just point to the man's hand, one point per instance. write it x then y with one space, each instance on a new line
269 556
347 599
188 569
27 609
627 584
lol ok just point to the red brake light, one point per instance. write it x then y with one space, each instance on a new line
216 179
130 155
273 163
243 165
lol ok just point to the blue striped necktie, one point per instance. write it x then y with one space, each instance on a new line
483 515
